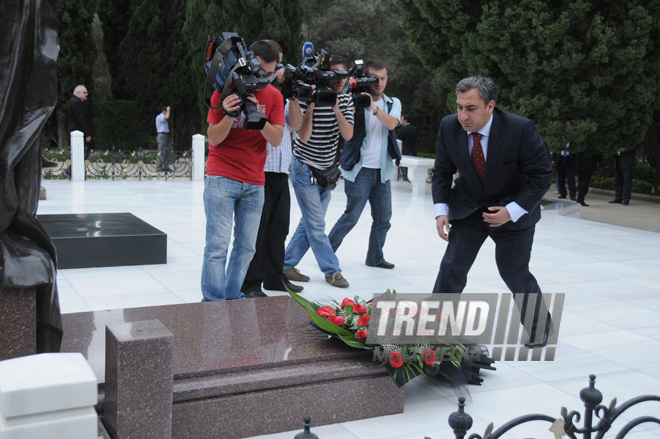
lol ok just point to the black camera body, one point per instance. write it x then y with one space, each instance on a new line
314 70
359 83
235 69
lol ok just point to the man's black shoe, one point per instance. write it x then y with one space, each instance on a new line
582 203
287 284
626 202
562 196
384 264
255 294
572 197
615 201
550 329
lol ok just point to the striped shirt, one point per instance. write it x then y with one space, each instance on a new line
321 149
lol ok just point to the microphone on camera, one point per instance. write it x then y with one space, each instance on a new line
308 50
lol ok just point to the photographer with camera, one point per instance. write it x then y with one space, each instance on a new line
367 167
314 153
234 187
266 266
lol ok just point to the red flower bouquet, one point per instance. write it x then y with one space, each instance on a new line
349 320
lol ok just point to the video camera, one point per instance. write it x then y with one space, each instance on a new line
359 83
314 70
232 68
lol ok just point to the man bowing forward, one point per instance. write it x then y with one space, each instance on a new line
504 172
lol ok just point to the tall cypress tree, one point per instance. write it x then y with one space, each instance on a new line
253 20
586 72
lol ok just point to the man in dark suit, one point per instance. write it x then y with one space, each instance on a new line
504 172
78 116
624 162
564 161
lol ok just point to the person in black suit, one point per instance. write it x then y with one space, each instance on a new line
585 165
504 172
624 162
408 137
564 161
78 116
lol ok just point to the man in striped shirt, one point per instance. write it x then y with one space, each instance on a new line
316 147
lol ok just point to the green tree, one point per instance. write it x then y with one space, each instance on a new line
115 17
76 57
252 20
586 71
368 30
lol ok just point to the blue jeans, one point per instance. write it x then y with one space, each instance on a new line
313 202
366 187
224 200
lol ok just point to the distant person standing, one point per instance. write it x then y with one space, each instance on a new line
408 137
585 164
624 162
164 140
78 116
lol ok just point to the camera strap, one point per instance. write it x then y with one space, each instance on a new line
218 62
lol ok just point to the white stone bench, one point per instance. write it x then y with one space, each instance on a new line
418 171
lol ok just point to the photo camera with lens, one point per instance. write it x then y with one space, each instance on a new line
314 70
232 68
359 83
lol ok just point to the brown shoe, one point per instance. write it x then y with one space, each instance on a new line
293 274
337 280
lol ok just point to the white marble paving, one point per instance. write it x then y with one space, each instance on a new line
610 275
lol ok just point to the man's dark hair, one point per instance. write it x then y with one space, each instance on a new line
265 50
406 117
485 87
338 59
375 64
275 44
163 108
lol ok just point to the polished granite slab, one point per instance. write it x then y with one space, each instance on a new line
104 240
248 367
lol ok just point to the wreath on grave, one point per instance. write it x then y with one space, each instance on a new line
348 321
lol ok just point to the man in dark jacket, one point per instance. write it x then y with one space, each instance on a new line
504 172
79 119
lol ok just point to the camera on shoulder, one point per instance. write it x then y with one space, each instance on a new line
232 68
359 83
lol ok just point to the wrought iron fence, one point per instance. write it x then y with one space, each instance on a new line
567 423
117 164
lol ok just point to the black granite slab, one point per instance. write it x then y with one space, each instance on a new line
104 240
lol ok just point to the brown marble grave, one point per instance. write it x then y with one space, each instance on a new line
248 367
18 322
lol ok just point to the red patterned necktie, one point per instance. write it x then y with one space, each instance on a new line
478 159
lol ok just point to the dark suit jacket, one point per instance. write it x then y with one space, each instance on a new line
408 136
627 159
78 117
517 169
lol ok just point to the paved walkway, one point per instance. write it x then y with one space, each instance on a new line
639 214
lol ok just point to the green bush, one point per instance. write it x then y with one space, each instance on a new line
643 171
602 182
641 187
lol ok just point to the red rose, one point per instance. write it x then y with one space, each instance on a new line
362 333
337 320
429 356
325 311
396 360
359 309
347 302
363 320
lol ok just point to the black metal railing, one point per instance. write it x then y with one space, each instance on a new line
567 423
119 164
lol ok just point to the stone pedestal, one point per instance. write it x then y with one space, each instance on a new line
248 367
18 322
138 380
48 396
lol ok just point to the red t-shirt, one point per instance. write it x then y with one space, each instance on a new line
242 155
